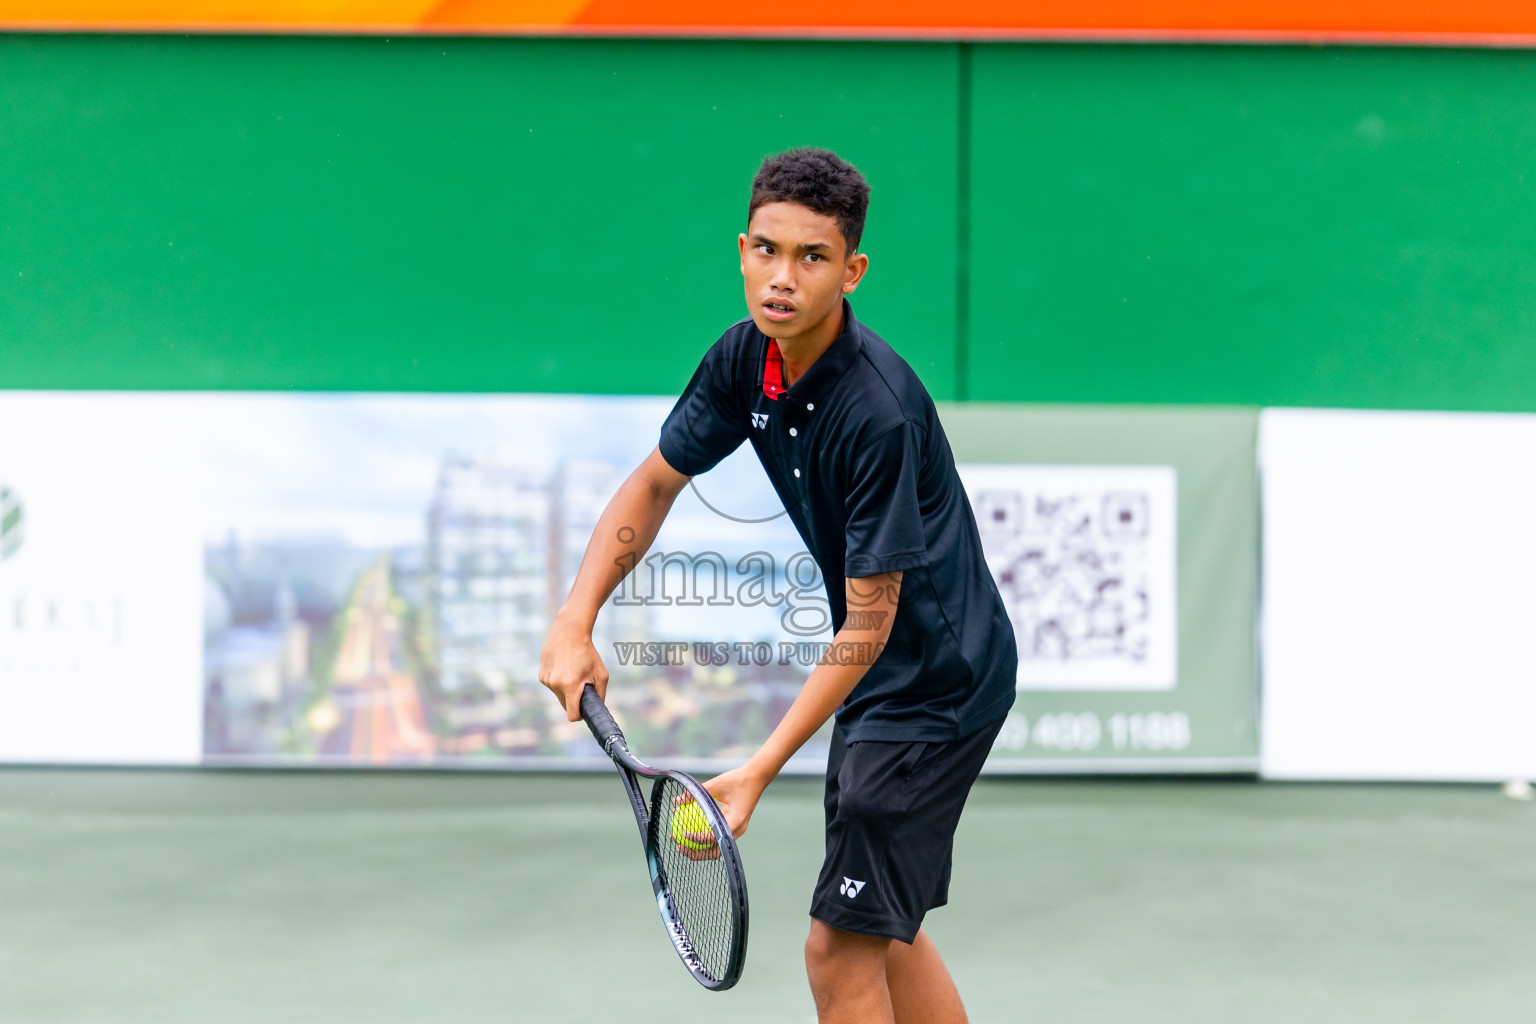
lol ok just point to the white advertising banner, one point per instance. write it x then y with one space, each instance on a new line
1397 602
100 581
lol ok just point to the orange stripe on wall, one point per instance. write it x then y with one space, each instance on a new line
1415 16
1345 18
215 13
490 13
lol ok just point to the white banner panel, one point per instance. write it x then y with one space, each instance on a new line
1398 609
100 581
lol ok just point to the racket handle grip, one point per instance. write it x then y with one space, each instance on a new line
596 715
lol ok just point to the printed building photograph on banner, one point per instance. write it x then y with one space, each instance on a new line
381 572
1086 560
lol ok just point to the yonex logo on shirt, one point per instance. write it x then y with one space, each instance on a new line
759 419
850 887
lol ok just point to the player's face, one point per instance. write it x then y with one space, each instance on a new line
796 269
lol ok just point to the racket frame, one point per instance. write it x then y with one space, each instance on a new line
631 769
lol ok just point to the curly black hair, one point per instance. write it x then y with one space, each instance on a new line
820 180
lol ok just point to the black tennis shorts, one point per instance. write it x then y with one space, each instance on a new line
892 808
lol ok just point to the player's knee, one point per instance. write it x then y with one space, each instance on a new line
820 948
831 953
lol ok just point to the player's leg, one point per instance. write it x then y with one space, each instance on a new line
845 965
847 974
922 991
878 874
891 812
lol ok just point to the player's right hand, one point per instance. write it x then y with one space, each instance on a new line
568 663
737 792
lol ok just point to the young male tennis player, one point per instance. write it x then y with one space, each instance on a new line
852 443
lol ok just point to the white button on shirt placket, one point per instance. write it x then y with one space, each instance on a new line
795 433
809 406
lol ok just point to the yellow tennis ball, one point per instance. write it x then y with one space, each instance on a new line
689 817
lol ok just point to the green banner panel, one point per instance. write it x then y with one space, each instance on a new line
438 214
1087 554
1253 225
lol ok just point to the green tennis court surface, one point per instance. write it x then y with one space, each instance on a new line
209 897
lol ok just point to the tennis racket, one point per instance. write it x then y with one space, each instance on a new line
695 868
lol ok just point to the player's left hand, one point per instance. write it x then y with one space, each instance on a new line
737 792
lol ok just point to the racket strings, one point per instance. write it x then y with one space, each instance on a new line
699 884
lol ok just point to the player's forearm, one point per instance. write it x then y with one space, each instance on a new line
623 535
826 688
872 613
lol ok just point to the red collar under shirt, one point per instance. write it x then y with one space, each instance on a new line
773 371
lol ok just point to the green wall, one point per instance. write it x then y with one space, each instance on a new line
435 214
1236 225
1260 225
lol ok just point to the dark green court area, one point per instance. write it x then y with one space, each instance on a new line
169 897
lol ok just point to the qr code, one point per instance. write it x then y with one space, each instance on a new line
1085 559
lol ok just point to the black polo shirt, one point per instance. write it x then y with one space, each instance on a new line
858 457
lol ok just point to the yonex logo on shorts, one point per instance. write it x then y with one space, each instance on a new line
850 887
